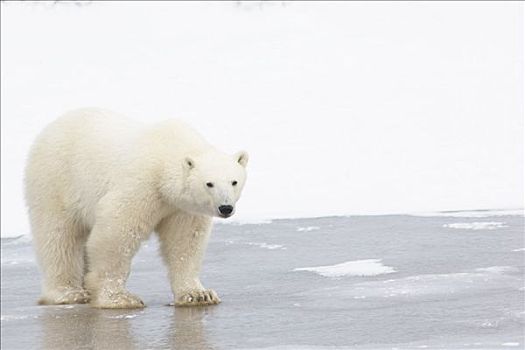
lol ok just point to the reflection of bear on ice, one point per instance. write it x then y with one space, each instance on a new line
98 184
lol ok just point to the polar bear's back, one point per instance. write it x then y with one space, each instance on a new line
74 158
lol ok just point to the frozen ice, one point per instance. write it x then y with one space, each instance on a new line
498 269
488 225
431 284
234 221
18 239
123 316
266 245
308 228
473 213
369 267
449 291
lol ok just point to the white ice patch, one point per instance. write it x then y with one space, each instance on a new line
519 250
511 344
369 267
498 269
473 213
266 245
307 229
5 318
489 225
481 279
240 222
119 317
257 244
300 347
15 259
17 251
17 240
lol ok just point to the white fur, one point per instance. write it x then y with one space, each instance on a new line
98 184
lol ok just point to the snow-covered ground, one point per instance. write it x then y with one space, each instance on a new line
360 282
345 107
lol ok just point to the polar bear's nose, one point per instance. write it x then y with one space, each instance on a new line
225 210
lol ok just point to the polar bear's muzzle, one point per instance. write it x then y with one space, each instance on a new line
225 210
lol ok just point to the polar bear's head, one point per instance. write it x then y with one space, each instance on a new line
213 183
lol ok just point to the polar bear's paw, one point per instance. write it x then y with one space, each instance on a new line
117 300
198 298
62 296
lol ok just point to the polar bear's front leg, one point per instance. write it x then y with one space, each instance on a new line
183 239
109 254
112 244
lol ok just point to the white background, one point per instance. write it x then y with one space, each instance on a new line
344 107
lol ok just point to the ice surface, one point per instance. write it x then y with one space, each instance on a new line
430 284
490 225
234 221
473 213
266 245
449 291
369 267
18 239
307 229
498 269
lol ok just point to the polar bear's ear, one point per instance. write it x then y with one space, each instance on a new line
189 163
242 158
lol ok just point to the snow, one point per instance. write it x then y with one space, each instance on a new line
335 102
488 225
369 267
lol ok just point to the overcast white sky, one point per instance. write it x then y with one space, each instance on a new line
344 107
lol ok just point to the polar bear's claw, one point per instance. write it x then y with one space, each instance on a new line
65 296
121 300
198 298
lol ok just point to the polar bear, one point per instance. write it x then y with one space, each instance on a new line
98 184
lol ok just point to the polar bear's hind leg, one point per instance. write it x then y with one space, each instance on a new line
59 243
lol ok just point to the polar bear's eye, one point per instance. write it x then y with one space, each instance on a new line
234 183
209 184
